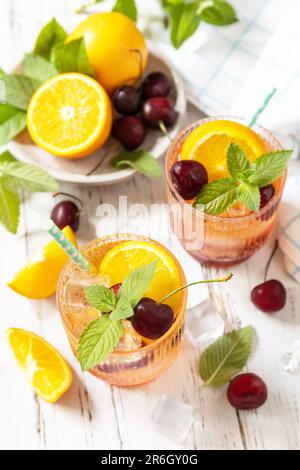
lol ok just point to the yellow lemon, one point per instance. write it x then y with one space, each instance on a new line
127 256
116 49
42 365
38 278
70 116
208 144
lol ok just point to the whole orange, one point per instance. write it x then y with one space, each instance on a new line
116 48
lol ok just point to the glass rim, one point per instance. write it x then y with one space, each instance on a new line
211 217
123 237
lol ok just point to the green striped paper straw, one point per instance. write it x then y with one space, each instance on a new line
69 248
263 107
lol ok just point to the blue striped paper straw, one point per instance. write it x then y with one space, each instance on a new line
263 107
69 248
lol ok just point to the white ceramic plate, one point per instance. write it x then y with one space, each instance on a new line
76 171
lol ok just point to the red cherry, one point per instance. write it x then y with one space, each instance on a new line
156 84
188 176
270 296
152 319
66 213
130 131
266 194
158 109
126 100
247 392
116 288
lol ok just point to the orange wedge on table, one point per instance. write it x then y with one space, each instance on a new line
127 256
39 277
70 116
208 144
42 365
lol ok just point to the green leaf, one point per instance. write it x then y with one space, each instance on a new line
249 195
7 157
217 196
72 57
37 67
140 160
51 35
97 341
269 167
9 207
136 283
122 311
101 298
217 12
127 7
226 357
237 161
18 90
184 21
29 177
12 122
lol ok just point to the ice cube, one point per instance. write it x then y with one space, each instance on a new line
290 362
130 339
74 288
204 324
172 418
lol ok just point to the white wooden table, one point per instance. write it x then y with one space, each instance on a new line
92 414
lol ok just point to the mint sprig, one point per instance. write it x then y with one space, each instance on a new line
15 176
226 356
101 336
246 179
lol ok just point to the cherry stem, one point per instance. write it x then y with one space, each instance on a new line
84 7
270 260
222 279
69 195
164 129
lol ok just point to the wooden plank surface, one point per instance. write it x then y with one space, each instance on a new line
92 414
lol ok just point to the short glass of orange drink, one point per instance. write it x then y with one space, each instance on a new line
230 236
136 359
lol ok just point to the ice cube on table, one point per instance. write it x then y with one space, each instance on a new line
204 324
130 339
74 288
172 418
290 362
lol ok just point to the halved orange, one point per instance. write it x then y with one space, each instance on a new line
208 144
70 115
42 365
39 277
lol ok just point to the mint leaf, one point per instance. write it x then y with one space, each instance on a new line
35 66
269 167
217 196
136 283
127 7
217 12
72 57
249 195
7 157
51 35
12 122
122 311
29 177
140 160
101 298
18 90
226 357
9 207
184 21
97 341
237 161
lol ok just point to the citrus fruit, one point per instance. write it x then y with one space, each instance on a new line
127 256
42 365
38 278
208 144
70 115
116 49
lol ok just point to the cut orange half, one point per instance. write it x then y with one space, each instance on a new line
208 144
70 116
39 277
42 365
